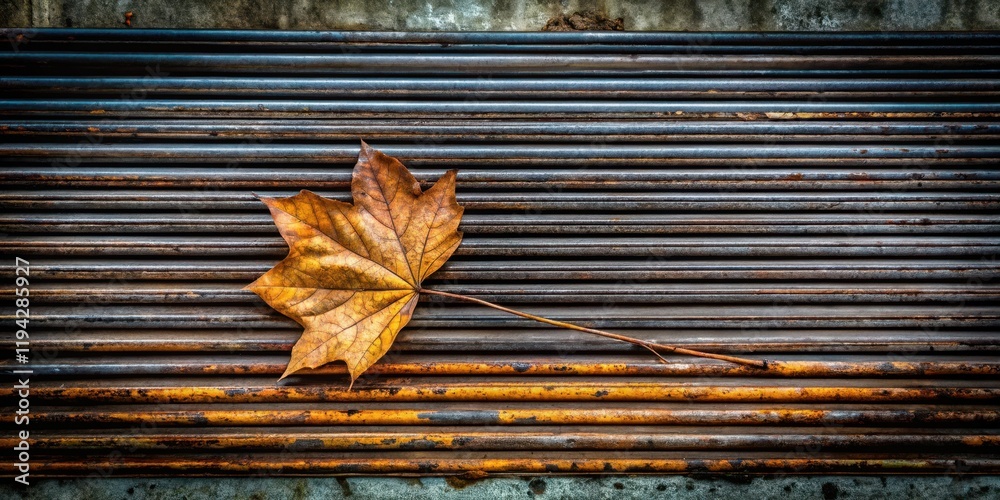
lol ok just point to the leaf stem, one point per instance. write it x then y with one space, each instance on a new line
652 346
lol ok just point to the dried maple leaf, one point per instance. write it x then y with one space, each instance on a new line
353 272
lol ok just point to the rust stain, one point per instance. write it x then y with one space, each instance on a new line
630 415
509 392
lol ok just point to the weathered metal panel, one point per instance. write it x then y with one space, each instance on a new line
828 202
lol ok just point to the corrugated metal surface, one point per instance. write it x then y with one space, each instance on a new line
827 201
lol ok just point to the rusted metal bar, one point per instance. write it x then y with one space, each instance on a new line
892 344
520 414
535 438
526 388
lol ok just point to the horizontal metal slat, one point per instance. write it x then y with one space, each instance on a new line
550 109
527 224
831 416
504 152
553 188
890 343
617 316
517 439
247 269
209 195
505 88
695 390
459 64
512 130
535 247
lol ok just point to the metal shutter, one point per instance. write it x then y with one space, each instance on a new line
828 201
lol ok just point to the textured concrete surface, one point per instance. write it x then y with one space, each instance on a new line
582 488
15 13
693 15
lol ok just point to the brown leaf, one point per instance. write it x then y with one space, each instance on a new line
353 272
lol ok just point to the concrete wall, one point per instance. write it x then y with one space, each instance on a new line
516 488
530 15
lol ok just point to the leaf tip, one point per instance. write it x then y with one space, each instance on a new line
266 200
288 371
366 150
